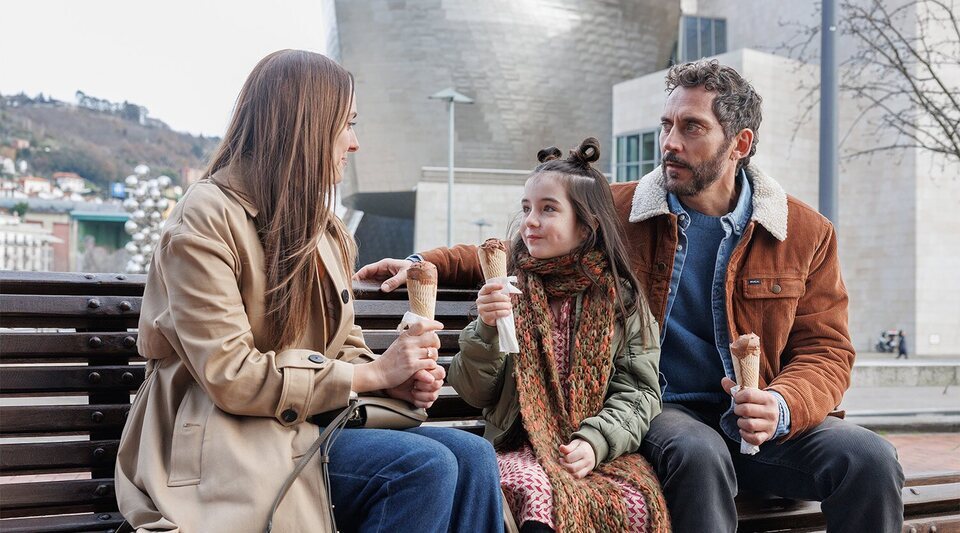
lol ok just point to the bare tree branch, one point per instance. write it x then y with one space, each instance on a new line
899 70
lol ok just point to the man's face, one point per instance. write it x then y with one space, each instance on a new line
696 153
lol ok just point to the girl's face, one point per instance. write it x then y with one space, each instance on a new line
346 141
550 227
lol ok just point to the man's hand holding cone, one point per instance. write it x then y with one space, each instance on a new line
757 409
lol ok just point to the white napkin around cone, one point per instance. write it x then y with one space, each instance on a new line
745 447
410 318
506 326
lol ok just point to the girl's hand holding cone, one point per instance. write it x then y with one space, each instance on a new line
496 308
493 304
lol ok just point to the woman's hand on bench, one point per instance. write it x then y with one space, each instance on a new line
391 272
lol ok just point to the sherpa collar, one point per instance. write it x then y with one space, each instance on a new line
769 200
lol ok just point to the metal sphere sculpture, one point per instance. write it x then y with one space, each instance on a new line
148 201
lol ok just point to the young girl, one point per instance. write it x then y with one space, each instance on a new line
568 411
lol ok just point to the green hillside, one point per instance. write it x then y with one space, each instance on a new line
102 141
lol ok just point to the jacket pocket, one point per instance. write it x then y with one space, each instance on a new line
186 450
772 287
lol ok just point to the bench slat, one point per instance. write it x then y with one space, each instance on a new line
21 347
62 419
45 457
94 522
386 314
57 497
72 283
380 340
371 291
451 406
87 312
32 379
774 514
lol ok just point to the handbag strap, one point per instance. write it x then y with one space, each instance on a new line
327 437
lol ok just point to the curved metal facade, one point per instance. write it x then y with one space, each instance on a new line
541 73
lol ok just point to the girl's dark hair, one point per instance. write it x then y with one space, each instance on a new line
592 201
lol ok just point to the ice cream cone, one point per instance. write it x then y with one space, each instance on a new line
493 259
746 360
422 289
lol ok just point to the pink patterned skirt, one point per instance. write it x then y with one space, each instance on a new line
530 497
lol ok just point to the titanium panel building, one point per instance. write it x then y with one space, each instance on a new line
541 73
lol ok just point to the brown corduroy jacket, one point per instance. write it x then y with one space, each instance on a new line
783 283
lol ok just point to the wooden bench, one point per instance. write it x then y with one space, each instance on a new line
69 365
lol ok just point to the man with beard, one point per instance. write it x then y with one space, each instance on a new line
722 251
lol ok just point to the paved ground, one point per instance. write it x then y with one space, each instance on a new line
927 453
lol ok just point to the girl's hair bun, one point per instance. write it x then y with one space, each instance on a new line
549 154
587 152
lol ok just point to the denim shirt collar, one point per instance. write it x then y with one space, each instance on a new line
738 218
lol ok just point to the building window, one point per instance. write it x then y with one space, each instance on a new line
702 37
637 154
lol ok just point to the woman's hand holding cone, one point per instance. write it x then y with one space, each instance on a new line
414 350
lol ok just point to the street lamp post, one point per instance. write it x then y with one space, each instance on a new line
452 97
829 189
481 223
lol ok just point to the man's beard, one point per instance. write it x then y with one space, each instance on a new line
703 175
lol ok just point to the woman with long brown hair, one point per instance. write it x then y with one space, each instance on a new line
247 327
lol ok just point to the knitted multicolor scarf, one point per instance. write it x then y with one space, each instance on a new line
594 503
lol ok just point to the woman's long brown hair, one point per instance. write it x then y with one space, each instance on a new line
289 113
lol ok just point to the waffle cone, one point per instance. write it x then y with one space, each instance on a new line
423 298
749 372
493 259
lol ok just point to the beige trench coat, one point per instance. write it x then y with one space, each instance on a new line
220 419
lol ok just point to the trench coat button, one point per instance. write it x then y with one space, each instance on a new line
776 288
289 415
316 358
661 266
345 296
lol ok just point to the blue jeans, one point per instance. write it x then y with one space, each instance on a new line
853 472
426 479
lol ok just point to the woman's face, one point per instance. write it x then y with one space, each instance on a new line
550 227
346 141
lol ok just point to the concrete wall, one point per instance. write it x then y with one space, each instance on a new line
487 195
937 222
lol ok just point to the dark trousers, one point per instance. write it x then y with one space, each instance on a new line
853 472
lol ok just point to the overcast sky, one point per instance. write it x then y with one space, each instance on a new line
184 60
